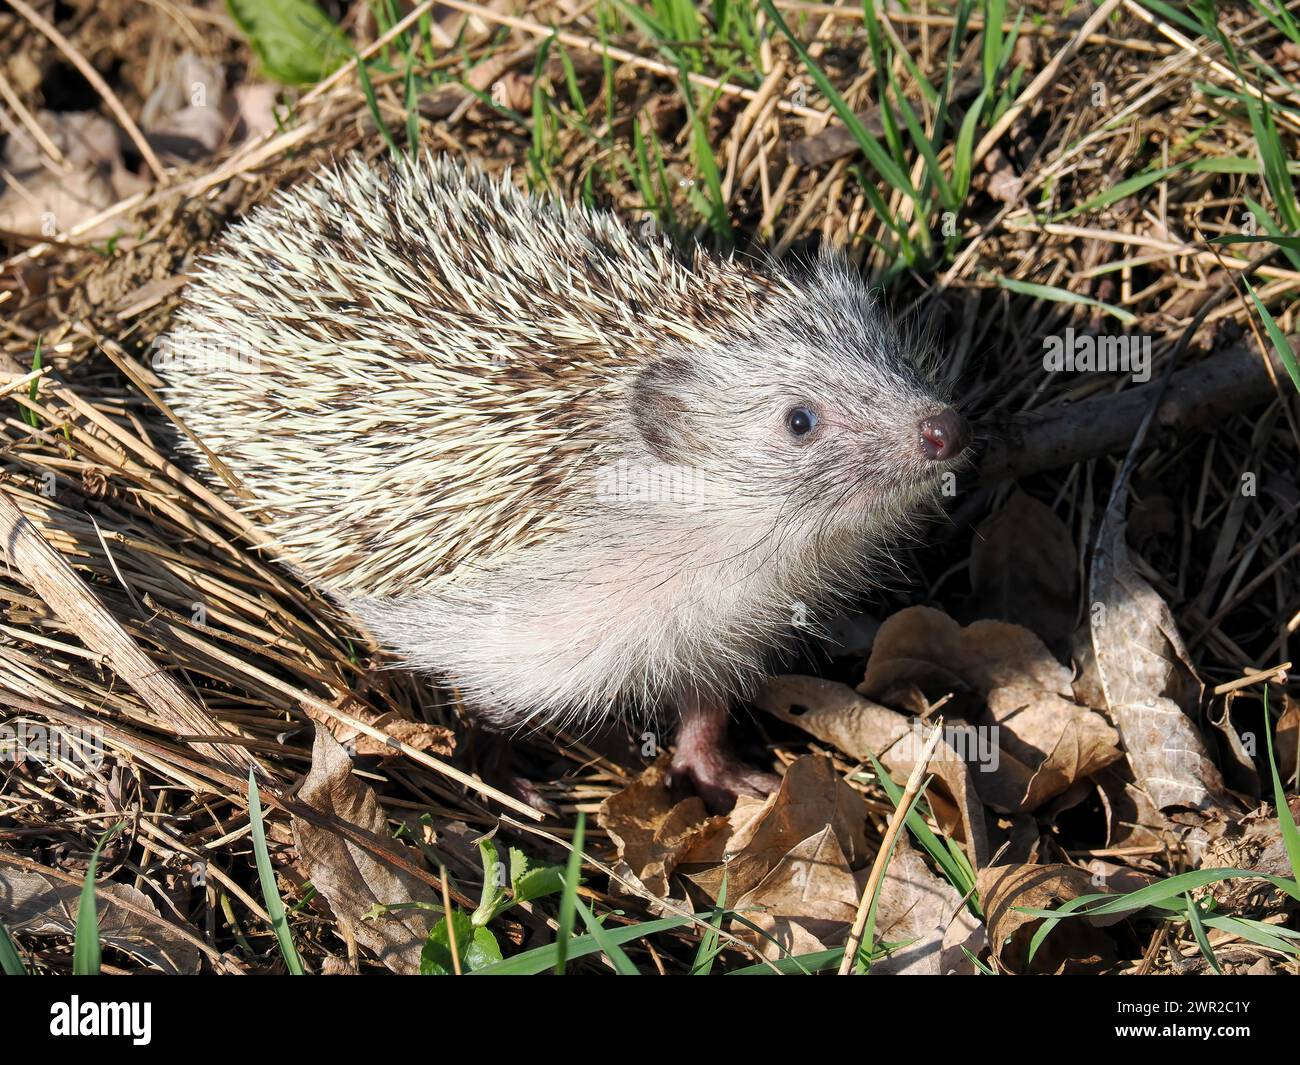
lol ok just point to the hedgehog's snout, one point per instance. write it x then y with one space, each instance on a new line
944 435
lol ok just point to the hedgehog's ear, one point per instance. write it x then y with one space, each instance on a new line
660 409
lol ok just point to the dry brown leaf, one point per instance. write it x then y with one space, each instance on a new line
924 646
1044 742
434 739
1023 569
351 879
808 901
1000 179
762 831
805 903
834 713
1076 945
651 831
1059 741
183 118
128 919
40 202
1148 680
922 910
1255 843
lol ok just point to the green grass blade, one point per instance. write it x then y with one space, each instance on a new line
871 148
540 959
412 109
1161 891
1120 191
85 944
1282 242
623 965
798 965
1172 14
1061 295
1198 931
266 876
980 968
709 948
933 170
714 206
1283 348
1271 228
991 46
1266 935
372 103
951 862
869 933
1274 157
569 897
10 960
1290 836
1288 359
964 150
1051 918
30 416
1281 19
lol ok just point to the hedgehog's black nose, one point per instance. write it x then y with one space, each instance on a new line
943 435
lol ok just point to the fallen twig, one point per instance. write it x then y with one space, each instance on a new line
848 965
1021 444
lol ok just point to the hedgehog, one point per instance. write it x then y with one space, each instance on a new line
575 469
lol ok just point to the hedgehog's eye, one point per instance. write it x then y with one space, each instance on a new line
800 421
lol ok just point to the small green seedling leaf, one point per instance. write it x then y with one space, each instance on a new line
476 946
296 41
531 882
494 898
30 416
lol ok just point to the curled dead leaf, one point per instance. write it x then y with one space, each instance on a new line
925 646
835 714
420 735
1030 742
1148 680
760 832
1076 945
651 831
351 878
36 904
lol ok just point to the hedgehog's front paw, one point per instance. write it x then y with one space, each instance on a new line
704 758
719 778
